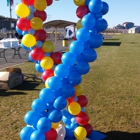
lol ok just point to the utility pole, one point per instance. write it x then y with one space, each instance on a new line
10 17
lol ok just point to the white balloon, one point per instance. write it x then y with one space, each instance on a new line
61 132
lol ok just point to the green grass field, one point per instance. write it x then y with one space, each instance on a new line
112 87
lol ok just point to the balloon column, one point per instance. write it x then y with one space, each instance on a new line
62 98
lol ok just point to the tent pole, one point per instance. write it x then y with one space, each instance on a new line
55 35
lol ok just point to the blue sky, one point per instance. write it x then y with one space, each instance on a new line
119 11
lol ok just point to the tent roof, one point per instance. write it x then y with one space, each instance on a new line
58 23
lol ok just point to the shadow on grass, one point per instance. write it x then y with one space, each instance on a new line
118 135
26 85
7 93
112 39
111 43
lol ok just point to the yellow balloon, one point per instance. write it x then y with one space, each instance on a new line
79 2
40 5
79 24
48 46
22 10
55 125
36 23
80 133
28 40
47 63
74 108
78 90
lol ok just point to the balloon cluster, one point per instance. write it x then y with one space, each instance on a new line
62 98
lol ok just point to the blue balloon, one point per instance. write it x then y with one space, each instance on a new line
74 78
32 31
82 67
96 136
87 2
98 15
82 109
101 25
46 95
39 68
73 120
61 70
24 32
93 31
79 57
26 132
89 55
65 81
38 105
54 83
72 68
95 41
74 125
37 135
88 21
57 93
25 48
75 98
83 34
18 31
44 124
55 116
32 9
69 132
50 106
105 8
76 47
31 118
67 114
31 15
30 58
86 46
95 6
48 54
66 120
60 103
67 90
68 59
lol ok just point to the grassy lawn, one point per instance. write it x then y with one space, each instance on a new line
112 87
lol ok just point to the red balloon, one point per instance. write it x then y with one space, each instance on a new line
37 54
82 100
28 2
71 99
56 56
81 11
51 135
47 73
88 128
82 118
40 35
41 14
49 2
23 24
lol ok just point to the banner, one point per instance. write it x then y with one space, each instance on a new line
10 2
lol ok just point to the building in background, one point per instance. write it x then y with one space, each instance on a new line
125 25
7 27
128 25
134 30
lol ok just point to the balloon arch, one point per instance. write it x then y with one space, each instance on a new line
62 99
